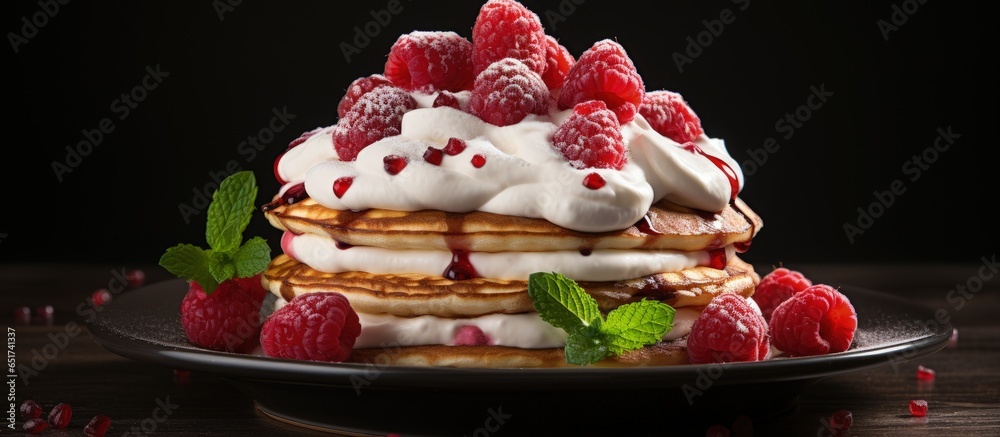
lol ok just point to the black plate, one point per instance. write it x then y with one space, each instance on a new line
144 325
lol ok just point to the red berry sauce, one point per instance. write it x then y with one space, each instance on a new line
460 268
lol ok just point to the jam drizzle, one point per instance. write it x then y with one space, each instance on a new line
734 182
460 268
293 194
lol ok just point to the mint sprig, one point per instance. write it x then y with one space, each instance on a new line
229 213
561 302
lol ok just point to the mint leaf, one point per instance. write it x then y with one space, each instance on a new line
252 258
561 302
638 324
189 262
230 211
220 265
586 346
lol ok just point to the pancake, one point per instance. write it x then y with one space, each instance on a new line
412 294
666 226
660 354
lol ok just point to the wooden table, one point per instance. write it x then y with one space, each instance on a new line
146 399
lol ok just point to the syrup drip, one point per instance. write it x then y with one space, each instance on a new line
293 194
460 267
717 258
734 182
586 252
646 227
276 175
742 246
342 245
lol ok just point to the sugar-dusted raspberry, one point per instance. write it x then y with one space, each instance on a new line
508 91
591 137
669 114
376 115
815 321
728 330
776 287
355 90
431 61
317 326
558 62
604 72
226 320
507 29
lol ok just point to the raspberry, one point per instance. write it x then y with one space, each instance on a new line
558 62
318 326
604 72
591 137
507 29
815 321
728 330
376 115
508 91
226 320
431 61
355 90
776 287
668 113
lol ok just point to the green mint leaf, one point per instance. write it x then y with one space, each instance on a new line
252 258
638 324
230 211
586 346
561 302
220 265
189 262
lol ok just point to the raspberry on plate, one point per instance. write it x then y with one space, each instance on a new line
604 72
506 92
558 62
376 115
669 115
815 321
507 29
776 287
317 326
430 61
355 90
226 320
591 137
728 330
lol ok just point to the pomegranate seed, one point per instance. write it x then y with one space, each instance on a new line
841 420
30 410
182 376
22 315
925 374
433 155
35 426
341 185
717 431
135 278
454 146
97 426
446 99
45 314
394 164
918 407
717 258
478 161
60 415
594 181
100 297
743 426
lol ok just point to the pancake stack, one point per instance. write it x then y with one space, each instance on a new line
432 230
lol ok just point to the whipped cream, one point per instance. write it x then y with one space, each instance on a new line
321 253
523 174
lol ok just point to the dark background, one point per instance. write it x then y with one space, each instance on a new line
226 76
